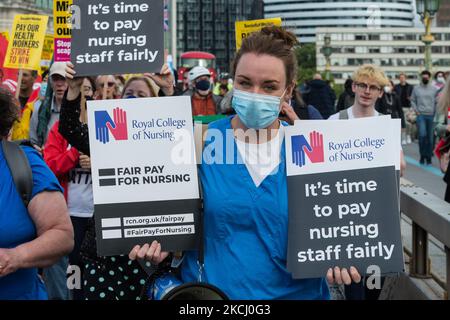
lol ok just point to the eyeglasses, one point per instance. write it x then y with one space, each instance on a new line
363 86
110 84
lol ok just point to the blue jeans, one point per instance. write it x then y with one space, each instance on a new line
425 128
55 278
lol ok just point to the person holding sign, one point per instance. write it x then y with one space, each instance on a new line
106 278
246 232
27 99
368 85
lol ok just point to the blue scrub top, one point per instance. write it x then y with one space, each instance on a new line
16 226
246 229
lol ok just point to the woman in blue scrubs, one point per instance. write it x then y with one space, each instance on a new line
243 175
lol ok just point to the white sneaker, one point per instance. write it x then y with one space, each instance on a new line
408 140
403 142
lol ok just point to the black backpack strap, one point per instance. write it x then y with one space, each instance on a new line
20 169
343 115
303 113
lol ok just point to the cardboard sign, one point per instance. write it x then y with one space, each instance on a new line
26 42
144 173
118 37
47 51
62 16
343 197
245 28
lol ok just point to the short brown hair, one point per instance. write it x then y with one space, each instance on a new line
9 112
273 41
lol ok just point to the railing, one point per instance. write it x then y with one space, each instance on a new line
430 215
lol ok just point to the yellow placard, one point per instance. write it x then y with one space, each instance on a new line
245 28
61 19
26 42
47 51
5 34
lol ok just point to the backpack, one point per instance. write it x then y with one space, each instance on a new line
20 168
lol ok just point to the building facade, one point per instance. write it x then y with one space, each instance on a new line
396 50
9 8
209 25
304 16
443 15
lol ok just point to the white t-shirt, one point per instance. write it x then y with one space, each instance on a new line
350 114
80 198
262 159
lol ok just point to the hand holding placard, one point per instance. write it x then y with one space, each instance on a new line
164 79
151 253
342 276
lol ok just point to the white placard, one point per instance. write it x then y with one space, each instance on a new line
142 150
345 145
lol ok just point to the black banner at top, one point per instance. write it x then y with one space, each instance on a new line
117 37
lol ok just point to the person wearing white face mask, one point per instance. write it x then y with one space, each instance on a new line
204 102
246 232
389 104
439 80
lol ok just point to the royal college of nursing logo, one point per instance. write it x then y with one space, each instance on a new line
105 125
302 149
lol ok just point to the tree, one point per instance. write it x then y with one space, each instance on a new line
306 57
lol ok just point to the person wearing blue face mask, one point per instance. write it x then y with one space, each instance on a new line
243 175
204 102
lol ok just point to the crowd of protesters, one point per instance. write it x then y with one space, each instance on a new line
54 120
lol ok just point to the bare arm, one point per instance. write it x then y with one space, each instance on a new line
54 239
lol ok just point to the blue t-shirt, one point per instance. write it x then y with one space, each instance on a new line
16 226
246 230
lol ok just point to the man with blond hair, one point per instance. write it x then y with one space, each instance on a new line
368 83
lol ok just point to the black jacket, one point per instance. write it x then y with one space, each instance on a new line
404 93
321 96
389 104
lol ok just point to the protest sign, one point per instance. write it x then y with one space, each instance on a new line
245 28
343 198
62 15
144 173
47 51
26 42
118 37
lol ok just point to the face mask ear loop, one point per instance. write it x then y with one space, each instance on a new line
282 100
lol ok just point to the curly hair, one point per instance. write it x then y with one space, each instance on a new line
9 112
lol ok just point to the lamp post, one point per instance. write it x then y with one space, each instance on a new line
427 10
327 50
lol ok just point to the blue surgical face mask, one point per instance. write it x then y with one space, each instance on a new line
43 90
256 111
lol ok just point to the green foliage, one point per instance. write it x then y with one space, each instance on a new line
306 57
338 89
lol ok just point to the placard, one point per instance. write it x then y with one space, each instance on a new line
118 37
343 197
144 173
